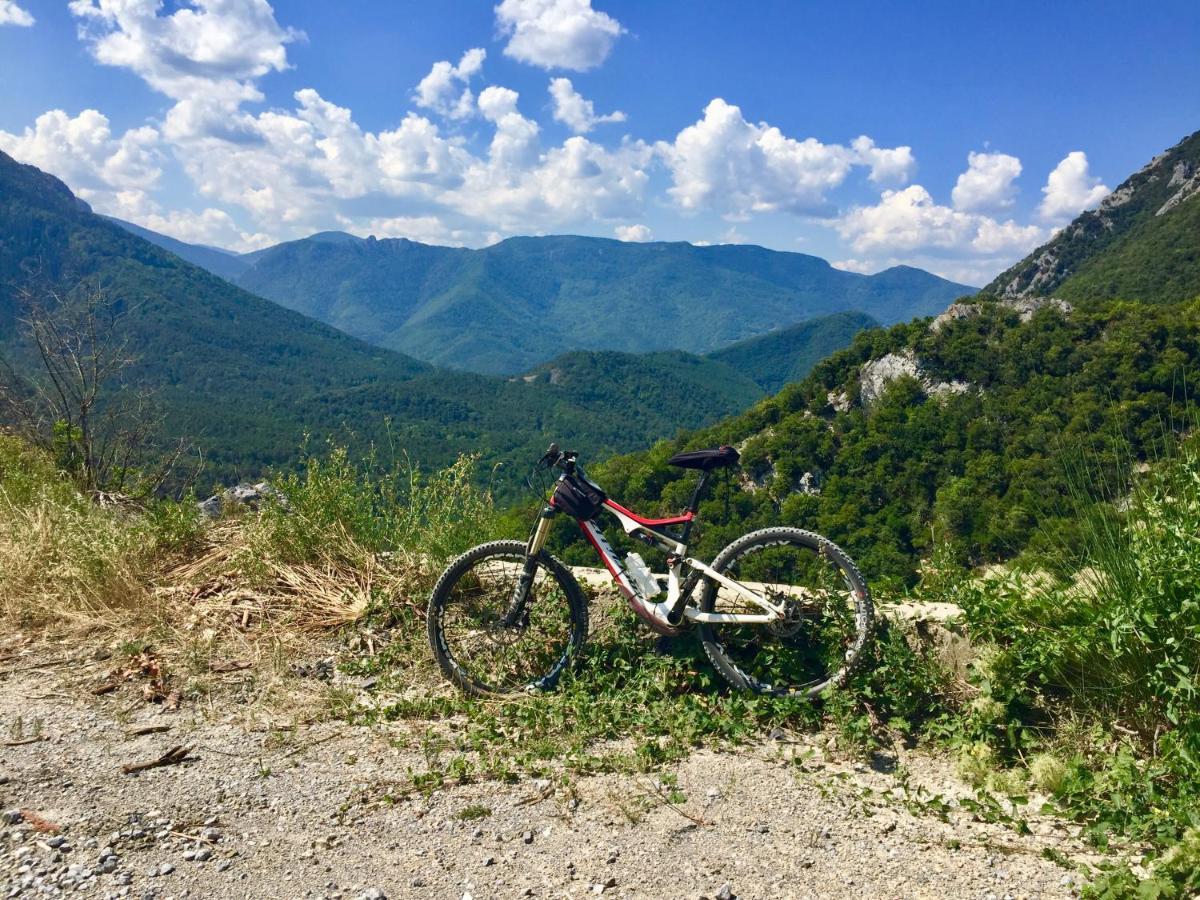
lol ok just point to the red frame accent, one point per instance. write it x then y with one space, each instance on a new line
674 520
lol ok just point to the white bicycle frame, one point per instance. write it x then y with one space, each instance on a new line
677 554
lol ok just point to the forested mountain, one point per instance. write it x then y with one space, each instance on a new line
1140 243
246 379
977 430
523 301
961 434
787 355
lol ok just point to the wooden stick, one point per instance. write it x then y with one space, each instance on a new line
172 757
23 742
148 729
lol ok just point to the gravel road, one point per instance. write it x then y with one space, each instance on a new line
323 811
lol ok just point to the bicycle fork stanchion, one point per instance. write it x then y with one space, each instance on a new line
520 596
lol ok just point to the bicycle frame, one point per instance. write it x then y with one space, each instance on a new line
668 616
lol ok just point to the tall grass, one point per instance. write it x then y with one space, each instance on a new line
65 558
345 511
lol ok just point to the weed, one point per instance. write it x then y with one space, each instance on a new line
473 812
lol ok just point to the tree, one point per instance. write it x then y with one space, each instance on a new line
66 390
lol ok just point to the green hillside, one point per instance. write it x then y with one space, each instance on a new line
789 354
247 380
525 300
1142 243
968 446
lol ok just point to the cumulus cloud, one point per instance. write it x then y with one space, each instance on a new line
557 34
987 183
861 266
206 48
12 14
737 168
909 219
83 151
446 91
637 234
574 111
896 165
1070 189
210 226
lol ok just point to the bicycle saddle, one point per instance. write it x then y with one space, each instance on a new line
705 460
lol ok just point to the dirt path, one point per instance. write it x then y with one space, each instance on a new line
326 811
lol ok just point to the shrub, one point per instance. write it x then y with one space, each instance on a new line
1105 631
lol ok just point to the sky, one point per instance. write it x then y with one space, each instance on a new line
950 136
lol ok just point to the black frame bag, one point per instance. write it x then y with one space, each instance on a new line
578 497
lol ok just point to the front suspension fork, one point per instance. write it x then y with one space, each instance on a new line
518 605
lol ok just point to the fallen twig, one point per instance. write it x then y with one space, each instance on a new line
33 668
24 741
172 757
230 665
311 744
541 795
148 729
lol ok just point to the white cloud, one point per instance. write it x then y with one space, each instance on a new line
12 14
987 183
439 90
574 111
206 54
909 219
637 234
1070 189
736 168
210 226
861 266
557 34
888 166
83 151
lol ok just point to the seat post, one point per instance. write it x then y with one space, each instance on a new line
694 503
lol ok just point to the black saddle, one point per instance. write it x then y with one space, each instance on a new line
706 460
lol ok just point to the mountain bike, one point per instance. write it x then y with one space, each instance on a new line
778 611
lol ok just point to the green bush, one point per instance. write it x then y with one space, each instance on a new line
1104 633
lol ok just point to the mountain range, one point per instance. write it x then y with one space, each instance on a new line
247 379
525 300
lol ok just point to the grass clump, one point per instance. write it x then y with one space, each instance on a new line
67 558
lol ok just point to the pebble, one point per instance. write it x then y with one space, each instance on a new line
527 837
12 817
725 892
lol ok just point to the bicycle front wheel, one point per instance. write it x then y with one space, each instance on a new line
487 640
824 633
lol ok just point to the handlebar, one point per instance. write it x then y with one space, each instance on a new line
553 457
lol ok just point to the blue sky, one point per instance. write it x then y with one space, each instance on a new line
951 136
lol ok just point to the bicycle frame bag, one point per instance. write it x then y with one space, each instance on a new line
578 497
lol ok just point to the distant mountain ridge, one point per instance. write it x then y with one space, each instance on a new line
247 380
511 306
1141 243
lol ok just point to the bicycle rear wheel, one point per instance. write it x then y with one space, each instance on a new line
486 645
825 633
